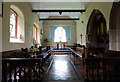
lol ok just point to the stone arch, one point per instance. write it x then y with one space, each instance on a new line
97 35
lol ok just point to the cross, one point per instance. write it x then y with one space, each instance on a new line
81 38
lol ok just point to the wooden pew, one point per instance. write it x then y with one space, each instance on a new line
102 65
110 69
79 52
94 52
45 53
43 49
112 53
18 69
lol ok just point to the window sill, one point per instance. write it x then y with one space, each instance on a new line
15 40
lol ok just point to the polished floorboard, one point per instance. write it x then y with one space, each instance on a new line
62 69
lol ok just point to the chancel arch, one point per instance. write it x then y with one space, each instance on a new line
97 35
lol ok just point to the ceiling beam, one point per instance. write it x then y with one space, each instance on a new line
58 10
58 19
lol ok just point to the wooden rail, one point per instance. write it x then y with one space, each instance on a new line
43 49
17 69
102 69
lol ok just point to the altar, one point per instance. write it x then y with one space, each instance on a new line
60 45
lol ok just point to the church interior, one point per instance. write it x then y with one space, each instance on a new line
60 41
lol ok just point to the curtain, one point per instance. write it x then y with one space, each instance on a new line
68 32
67 29
52 32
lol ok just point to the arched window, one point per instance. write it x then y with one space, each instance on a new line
60 35
35 32
16 25
13 23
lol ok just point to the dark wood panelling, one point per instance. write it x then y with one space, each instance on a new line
11 53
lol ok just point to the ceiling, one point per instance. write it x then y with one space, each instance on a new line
59 6
60 0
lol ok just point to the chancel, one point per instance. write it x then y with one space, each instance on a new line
60 41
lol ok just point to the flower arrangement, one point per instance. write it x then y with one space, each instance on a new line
33 50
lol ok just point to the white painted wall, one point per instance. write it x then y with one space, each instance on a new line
30 19
104 7
81 29
41 27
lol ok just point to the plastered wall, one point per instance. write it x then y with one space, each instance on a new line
104 7
46 33
30 19
41 27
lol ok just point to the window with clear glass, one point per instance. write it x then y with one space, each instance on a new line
60 35
35 32
13 24
16 29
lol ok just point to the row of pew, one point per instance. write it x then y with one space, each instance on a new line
100 64
25 66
